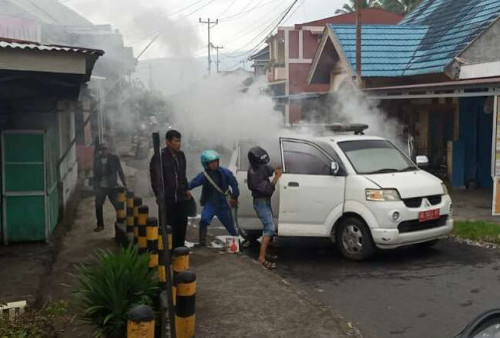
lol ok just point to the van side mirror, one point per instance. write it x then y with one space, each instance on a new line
335 168
422 161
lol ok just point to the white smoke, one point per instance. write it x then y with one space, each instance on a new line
141 21
217 112
351 105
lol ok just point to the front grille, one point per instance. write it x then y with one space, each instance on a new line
434 200
416 202
415 225
413 202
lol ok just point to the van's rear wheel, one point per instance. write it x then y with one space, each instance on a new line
354 239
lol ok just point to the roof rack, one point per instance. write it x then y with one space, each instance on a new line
357 128
321 128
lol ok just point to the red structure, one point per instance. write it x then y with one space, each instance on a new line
291 51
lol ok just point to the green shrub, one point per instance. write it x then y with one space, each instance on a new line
111 286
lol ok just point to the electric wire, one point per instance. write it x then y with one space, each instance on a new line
265 31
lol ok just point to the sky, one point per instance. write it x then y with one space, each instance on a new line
243 24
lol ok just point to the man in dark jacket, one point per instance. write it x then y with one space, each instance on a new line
262 190
107 167
175 181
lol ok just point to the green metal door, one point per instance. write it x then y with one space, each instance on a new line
24 186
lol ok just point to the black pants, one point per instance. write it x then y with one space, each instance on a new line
177 219
100 198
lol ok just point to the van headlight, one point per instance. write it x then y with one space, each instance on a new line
382 195
445 189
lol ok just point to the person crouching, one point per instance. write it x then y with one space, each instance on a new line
218 184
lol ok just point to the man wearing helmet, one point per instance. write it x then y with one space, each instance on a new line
262 189
175 182
218 184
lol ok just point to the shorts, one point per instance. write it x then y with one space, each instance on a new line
264 211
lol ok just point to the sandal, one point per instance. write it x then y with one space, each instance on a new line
269 265
271 256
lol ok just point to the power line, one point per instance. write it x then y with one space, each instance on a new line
255 25
281 18
200 8
159 34
227 8
242 13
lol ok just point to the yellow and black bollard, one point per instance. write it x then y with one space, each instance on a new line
137 204
130 215
152 238
121 214
162 264
141 322
180 263
185 308
142 221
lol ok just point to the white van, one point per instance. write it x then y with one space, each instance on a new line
360 191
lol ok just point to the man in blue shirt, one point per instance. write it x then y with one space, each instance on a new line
219 184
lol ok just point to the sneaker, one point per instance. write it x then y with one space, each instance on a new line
99 228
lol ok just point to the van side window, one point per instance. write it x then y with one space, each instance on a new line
303 158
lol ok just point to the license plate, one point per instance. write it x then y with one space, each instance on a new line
428 215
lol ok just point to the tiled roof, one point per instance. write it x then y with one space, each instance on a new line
19 44
371 16
425 42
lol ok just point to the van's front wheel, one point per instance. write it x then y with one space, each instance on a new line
354 239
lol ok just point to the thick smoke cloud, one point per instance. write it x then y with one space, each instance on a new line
141 21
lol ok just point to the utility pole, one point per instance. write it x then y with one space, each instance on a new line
210 24
217 51
358 42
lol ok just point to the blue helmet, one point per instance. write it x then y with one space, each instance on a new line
209 156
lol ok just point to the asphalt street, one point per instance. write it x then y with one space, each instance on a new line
400 293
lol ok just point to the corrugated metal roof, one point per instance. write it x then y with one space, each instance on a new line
19 44
425 42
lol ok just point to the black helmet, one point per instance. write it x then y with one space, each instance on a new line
258 156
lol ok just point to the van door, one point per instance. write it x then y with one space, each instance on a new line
311 197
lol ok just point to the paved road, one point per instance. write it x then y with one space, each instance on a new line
401 293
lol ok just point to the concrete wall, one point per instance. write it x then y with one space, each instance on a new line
68 170
486 48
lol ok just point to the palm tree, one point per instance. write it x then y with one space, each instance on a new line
399 6
351 6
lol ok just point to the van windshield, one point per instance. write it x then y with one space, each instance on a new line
376 157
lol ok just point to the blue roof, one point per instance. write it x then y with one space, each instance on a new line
425 42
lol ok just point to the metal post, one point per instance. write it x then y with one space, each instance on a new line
358 42
162 213
217 51
210 24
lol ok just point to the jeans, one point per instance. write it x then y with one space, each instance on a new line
223 213
264 211
100 198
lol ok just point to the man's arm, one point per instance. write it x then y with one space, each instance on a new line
97 174
196 182
233 183
120 172
153 173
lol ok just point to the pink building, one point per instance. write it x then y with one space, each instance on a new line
291 52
